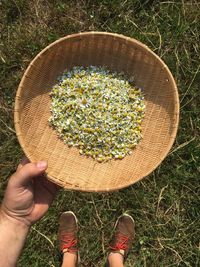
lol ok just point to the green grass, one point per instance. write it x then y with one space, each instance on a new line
165 204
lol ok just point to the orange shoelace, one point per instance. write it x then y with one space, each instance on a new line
68 241
122 243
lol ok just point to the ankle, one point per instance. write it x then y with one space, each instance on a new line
114 258
70 257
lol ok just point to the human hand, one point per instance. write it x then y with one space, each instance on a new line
28 194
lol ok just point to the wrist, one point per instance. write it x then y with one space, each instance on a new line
13 223
13 235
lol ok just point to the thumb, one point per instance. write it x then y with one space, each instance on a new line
27 172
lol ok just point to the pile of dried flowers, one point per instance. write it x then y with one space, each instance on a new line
98 111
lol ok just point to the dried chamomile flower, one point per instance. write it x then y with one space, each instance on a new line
98 111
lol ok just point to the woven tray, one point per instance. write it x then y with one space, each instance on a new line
65 166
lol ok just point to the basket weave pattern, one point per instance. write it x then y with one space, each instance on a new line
119 53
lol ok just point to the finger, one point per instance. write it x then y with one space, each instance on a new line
23 162
27 172
51 187
49 181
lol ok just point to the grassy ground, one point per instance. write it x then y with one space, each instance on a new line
165 204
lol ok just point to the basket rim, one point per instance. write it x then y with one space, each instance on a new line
116 36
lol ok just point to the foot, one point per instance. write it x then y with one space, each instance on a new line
124 233
67 233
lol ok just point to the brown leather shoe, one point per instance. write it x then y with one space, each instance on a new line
67 233
124 233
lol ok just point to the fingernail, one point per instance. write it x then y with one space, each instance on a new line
42 165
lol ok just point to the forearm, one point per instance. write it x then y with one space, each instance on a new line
12 238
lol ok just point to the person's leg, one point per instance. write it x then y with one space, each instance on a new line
69 260
120 245
115 260
67 237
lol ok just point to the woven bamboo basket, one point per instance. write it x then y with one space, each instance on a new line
66 167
